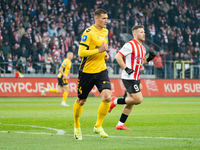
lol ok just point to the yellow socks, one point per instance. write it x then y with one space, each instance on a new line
102 112
77 110
53 90
65 94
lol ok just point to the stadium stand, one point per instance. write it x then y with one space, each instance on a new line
35 35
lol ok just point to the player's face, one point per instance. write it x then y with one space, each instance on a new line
140 34
72 56
102 20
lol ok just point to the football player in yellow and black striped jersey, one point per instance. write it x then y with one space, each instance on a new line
93 71
62 79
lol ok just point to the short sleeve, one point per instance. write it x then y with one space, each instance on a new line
126 49
85 39
64 63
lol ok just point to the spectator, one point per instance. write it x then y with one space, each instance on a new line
117 30
6 48
74 50
172 42
181 48
165 6
195 38
158 65
23 53
15 50
38 38
52 31
10 16
5 35
169 64
197 46
182 58
21 64
180 23
15 60
11 29
43 50
81 28
62 31
9 61
2 60
26 22
48 60
159 40
25 41
195 63
35 57
6 23
189 47
195 52
46 39
21 30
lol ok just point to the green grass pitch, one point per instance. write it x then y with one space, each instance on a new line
41 123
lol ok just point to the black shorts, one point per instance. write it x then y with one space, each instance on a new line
86 82
62 81
132 86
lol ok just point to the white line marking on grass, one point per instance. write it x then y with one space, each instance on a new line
27 132
59 131
62 132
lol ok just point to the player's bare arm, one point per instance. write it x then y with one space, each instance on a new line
61 71
106 56
70 74
145 62
120 60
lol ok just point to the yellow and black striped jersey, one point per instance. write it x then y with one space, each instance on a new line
92 38
66 64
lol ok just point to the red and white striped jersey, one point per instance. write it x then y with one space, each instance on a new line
134 54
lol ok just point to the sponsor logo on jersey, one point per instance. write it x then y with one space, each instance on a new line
106 37
84 38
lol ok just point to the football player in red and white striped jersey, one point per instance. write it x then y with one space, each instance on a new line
134 57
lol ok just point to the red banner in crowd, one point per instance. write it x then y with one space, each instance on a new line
32 87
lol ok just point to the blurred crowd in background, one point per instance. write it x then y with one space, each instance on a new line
41 32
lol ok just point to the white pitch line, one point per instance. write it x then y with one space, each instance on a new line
27 132
62 132
164 138
59 131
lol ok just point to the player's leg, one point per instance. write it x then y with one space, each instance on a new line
77 111
126 111
85 84
132 86
104 106
102 112
58 91
114 101
65 94
103 85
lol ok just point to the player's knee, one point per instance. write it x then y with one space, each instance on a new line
139 100
59 91
107 98
81 101
67 90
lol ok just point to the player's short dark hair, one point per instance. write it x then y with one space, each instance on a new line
136 27
98 12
